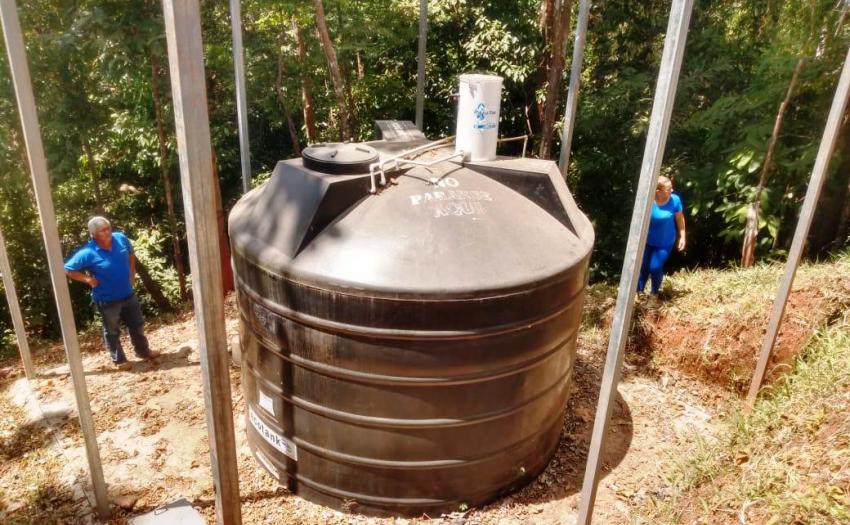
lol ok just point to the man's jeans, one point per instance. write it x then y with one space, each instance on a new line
129 311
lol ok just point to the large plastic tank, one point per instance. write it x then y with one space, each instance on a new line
407 352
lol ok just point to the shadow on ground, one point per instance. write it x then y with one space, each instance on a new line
50 503
28 437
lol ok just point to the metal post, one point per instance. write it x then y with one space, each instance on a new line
827 145
15 309
659 123
420 77
575 84
38 167
241 95
188 86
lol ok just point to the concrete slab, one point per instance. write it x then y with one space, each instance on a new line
179 512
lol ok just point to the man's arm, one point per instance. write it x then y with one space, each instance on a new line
132 268
83 278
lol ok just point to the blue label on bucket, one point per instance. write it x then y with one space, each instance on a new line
481 114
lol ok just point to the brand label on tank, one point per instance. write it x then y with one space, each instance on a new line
281 443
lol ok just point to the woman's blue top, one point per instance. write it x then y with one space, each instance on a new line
662 225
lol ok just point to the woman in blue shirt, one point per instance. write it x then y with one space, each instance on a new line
667 220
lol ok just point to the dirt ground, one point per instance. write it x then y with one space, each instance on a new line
721 352
154 446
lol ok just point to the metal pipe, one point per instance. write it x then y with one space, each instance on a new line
378 167
241 95
186 64
429 163
420 76
15 309
659 123
512 139
523 138
38 167
827 145
575 83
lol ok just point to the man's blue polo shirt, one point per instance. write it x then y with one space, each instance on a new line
111 268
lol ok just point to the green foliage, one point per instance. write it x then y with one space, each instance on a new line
151 247
92 64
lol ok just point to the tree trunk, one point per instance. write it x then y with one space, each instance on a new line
841 235
152 287
333 66
306 85
349 96
538 105
166 178
278 89
560 29
227 281
95 177
748 248
829 229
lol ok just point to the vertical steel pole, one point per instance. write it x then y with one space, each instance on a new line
241 95
15 309
575 84
827 145
38 167
188 86
420 77
659 124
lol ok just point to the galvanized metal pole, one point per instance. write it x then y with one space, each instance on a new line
575 84
659 123
38 166
188 86
420 77
241 95
827 145
15 309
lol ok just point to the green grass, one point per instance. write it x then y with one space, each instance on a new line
788 462
730 291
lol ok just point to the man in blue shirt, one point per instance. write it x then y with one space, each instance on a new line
666 223
107 264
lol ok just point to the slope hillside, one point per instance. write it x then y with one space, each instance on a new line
709 324
785 463
674 454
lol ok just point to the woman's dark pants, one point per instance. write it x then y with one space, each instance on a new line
130 312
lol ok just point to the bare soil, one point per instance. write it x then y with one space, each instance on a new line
153 439
723 351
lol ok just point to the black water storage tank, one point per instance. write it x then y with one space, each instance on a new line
407 352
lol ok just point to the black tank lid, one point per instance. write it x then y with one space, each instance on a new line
339 158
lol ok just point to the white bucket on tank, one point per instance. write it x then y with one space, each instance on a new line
478 116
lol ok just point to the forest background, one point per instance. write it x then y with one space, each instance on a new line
757 81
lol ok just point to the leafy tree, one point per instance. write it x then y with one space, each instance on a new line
101 85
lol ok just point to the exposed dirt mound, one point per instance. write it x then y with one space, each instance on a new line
710 325
725 351
785 462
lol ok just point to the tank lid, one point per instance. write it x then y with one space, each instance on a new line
339 158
